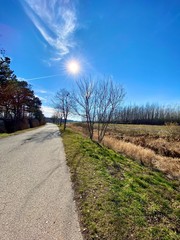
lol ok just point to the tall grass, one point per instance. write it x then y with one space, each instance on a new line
169 166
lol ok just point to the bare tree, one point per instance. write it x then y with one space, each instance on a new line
97 101
57 117
62 104
84 99
109 98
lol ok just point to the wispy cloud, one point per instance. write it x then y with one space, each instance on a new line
56 20
37 78
41 98
41 91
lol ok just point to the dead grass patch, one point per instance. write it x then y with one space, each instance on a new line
169 166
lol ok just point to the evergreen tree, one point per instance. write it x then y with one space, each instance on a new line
17 99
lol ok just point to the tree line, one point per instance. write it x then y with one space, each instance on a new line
19 107
147 114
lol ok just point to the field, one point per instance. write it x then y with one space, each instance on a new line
119 198
155 146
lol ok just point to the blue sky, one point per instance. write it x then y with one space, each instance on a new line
137 42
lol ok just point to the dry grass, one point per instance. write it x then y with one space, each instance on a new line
159 145
155 146
169 166
163 140
171 131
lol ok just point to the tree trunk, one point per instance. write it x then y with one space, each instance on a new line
65 121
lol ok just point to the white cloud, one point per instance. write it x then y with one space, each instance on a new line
56 20
47 111
41 98
21 79
41 91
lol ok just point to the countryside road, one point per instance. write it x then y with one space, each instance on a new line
36 196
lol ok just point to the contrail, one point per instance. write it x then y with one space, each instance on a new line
36 78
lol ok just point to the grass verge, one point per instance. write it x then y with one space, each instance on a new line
118 198
2 135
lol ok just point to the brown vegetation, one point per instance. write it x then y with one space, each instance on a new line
155 146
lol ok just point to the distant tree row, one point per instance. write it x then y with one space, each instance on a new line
19 107
147 114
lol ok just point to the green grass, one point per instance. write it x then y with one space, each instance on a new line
4 135
118 198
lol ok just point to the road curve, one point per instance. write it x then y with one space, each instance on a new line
36 196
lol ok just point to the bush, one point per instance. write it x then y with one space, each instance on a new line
2 126
15 125
34 123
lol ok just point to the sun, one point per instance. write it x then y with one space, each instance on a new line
73 67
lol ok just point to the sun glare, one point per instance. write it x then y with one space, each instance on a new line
73 67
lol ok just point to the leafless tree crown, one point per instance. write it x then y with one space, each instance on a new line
96 102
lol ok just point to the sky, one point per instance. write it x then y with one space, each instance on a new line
135 42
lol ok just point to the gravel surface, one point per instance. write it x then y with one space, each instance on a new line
36 196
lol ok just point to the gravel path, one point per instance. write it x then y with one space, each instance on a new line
36 197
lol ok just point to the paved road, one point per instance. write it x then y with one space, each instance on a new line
36 197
